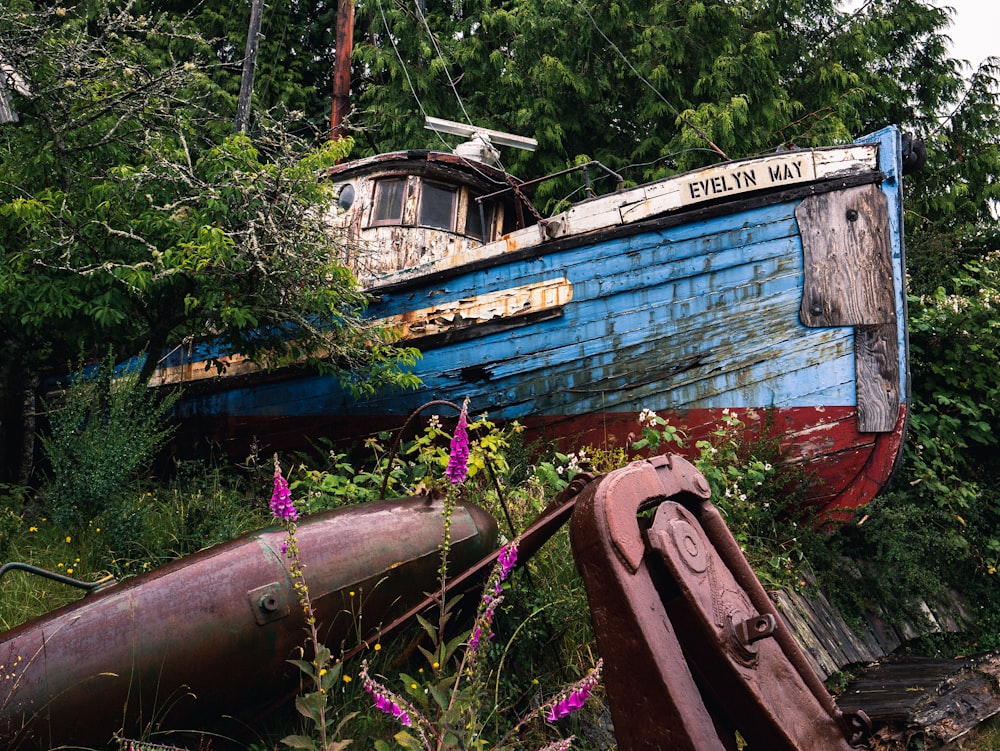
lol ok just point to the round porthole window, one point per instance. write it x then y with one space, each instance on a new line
345 197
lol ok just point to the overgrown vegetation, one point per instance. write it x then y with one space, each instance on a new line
131 213
105 428
541 623
939 527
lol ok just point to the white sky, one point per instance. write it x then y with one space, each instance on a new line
975 29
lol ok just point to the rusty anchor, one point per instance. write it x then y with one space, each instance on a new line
694 651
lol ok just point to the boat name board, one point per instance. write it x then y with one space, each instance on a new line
740 177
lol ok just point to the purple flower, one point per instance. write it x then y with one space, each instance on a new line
507 558
281 497
385 700
573 698
483 625
458 457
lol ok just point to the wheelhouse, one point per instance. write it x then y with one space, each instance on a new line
408 208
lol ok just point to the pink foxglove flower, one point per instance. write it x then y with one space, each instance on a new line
573 698
458 456
281 497
506 560
385 700
482 628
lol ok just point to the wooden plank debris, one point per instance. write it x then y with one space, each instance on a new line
935 701
831 643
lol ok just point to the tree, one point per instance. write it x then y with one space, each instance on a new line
131 215
652 88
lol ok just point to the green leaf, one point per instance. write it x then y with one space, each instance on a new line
300 741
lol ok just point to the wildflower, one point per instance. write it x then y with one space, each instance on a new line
385 700
573 698
281 498
506 559
458 456
560 745
482 625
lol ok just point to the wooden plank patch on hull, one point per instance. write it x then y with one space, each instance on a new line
848 281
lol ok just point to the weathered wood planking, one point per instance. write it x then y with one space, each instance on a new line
660 301
848 281
831 644
671 195
927 701
848 259
877 368
637 300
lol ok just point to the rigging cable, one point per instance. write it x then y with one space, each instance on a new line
454 88
406 72
444 63
695 128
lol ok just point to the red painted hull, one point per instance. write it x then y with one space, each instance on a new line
846 468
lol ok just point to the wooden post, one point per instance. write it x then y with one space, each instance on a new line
249 64
342 69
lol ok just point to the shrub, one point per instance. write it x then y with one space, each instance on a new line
104 429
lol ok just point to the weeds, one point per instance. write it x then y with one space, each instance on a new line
451 709
543 638
104 429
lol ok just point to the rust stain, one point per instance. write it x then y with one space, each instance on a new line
464 313
477 309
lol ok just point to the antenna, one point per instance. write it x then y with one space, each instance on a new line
470 131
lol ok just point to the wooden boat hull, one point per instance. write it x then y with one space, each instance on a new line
783 304
203 642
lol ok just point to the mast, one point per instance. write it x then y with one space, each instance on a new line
342 69
249 65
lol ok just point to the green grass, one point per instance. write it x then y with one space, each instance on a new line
984 738
544 639
150 527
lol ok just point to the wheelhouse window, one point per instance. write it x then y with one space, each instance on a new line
437 206
389 198
479 217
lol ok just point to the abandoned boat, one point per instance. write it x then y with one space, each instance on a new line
772 287
203 643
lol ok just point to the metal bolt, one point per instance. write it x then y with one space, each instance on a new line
755 628
269 603
852 215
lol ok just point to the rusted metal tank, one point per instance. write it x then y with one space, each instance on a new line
204 641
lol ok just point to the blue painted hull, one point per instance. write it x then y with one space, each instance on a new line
685 314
